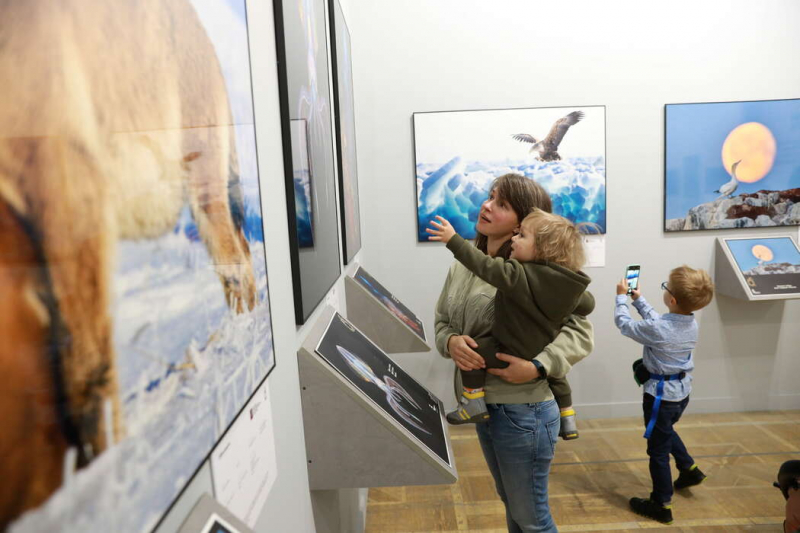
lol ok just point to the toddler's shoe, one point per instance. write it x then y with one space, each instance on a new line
651 509
689 478
471 411
569 426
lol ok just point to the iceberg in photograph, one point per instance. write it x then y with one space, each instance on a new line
457 189
459 154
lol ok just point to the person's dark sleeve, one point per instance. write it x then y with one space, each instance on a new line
504 275
585 304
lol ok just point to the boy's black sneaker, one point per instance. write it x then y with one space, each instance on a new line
689 478
651 509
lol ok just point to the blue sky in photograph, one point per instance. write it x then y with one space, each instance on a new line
694 137
783 249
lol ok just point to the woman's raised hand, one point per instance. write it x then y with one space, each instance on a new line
444 230
461 350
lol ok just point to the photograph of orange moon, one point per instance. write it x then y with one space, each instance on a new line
769 265
732 165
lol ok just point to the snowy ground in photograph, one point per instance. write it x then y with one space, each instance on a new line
187 365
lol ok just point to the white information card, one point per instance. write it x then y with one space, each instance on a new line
243 464
595 246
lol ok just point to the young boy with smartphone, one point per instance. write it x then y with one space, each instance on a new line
669 341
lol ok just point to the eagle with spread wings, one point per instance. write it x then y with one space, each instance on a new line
547 147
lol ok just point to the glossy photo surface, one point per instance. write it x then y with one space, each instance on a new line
387 385
769 266
732 165
135 310
458 154
305 102
341 55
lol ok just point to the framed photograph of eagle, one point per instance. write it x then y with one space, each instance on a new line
458 154
732 165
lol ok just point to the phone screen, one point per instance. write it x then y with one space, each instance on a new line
632 275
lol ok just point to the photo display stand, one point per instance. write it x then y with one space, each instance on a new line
381 316
754 269
367 423
209 516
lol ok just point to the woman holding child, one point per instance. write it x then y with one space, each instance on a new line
519 438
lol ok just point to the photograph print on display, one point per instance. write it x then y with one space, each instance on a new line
304 90
390 302
458 154
732 165
301 167
341 60
769 266
138 317
387 385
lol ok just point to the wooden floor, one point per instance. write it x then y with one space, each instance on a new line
594 476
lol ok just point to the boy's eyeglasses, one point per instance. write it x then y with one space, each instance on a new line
664 286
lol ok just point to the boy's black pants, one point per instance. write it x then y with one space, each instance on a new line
662 442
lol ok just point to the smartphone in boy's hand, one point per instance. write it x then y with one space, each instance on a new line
632 278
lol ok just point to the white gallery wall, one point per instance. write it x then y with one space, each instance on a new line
632 57
423 55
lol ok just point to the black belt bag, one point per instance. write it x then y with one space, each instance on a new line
641 375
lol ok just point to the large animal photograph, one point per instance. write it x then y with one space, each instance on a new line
458 154
732 165
134 318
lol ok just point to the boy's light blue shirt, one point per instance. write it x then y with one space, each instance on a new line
668 343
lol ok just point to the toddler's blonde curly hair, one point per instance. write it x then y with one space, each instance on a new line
556 239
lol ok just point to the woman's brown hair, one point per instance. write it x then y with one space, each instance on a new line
523 195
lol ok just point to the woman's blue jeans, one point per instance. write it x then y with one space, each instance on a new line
518 443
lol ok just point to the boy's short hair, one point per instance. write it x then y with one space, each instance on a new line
692 289
555 239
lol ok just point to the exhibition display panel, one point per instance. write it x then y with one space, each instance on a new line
382 316
308 157
209 516
367 422
766 268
